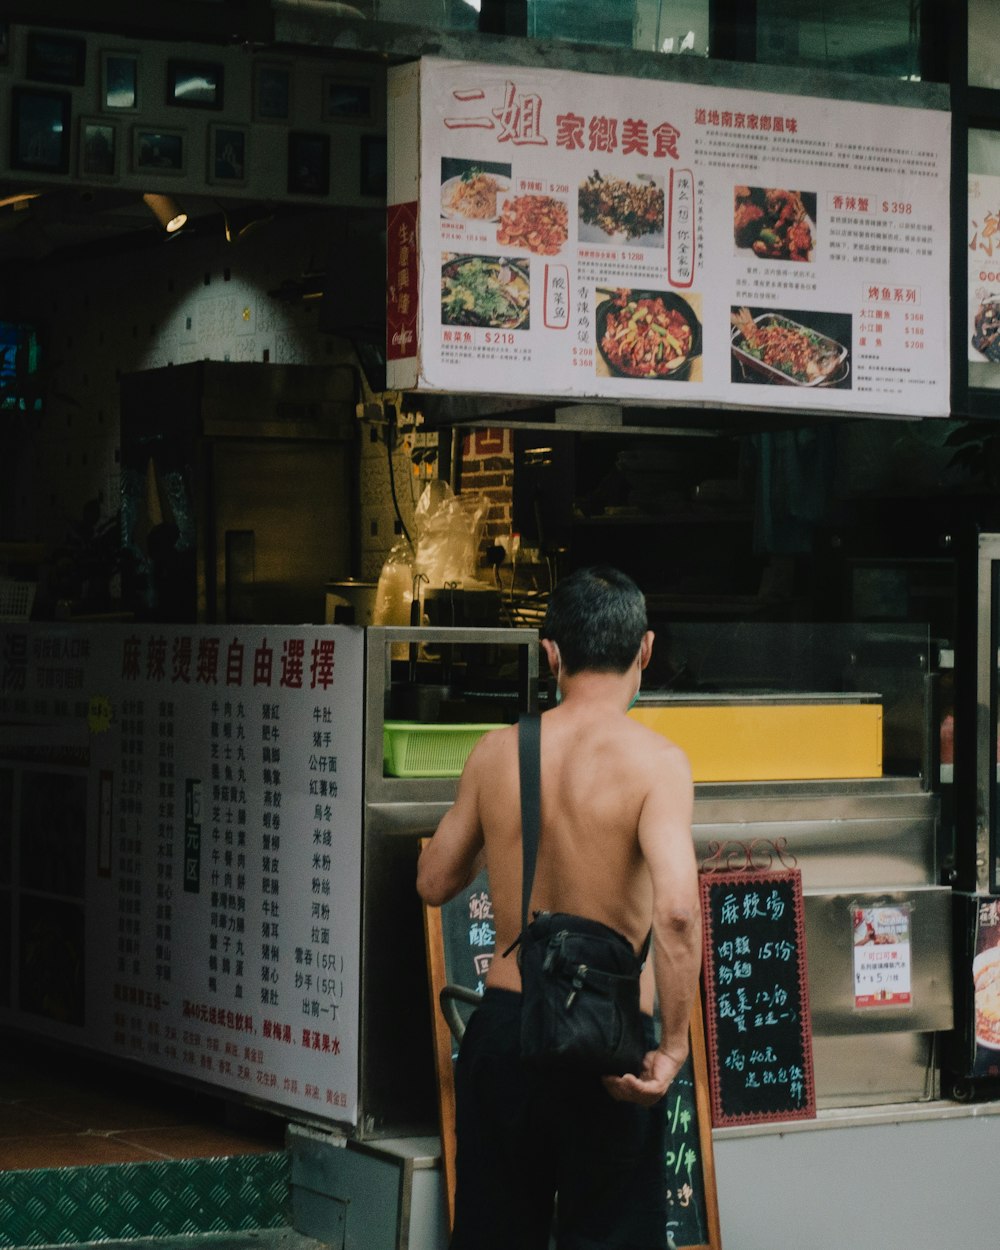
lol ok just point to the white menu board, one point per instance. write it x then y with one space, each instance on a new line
180 850
568 234
984 269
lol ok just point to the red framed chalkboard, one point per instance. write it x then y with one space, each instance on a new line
757 1023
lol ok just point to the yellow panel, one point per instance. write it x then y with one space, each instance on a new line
773 742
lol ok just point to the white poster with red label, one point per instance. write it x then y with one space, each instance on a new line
984 269
882 960
652 242
180 850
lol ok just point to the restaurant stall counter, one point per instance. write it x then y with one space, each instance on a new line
802 770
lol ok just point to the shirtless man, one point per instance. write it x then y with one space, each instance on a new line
615 846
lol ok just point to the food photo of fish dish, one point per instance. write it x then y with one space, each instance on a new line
771 347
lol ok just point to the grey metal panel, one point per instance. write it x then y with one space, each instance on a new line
843 854
830 955
909 1183
414 806
878 1069
726 802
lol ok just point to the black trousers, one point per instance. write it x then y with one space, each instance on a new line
525 1137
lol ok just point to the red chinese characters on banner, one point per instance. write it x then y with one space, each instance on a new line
202 661
729 119
851 203
556 307
401 281
602 134
876 294
986 235
517 119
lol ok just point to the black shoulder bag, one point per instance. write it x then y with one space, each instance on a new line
579 978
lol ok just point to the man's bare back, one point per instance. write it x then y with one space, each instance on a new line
597 770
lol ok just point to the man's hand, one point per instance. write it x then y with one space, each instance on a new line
658 1070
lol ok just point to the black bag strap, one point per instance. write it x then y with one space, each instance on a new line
529 755
529 758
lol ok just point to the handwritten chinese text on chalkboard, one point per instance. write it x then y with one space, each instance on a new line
759 1034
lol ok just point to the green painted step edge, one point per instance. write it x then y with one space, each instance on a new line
69 1206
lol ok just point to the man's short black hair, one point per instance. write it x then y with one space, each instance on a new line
597 617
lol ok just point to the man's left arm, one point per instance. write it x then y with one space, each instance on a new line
455 854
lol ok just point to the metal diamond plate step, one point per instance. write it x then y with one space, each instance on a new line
263 1239
127 1201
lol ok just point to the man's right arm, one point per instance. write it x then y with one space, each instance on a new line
454 855
668 849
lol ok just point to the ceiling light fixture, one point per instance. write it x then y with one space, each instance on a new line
167 212
20 200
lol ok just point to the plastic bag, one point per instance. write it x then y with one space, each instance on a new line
449 528
394 593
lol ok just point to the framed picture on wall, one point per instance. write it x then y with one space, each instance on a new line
98 148
55 58
119 82
308 164
227 154
272 89
157 149
194 84
346 99
39 130
374 165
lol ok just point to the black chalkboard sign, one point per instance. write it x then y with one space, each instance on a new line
757 1001
460 945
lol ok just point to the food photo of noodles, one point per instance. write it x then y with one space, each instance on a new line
646 334
473 192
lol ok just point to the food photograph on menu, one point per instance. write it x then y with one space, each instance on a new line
775 223
646 334
536 223
472 190
784 348
986 328
621 210
485 291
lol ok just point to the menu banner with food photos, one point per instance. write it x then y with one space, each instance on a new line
180 851
652 242
984 269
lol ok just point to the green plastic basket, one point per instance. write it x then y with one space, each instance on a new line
412 749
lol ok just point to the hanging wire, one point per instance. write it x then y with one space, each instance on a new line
390 440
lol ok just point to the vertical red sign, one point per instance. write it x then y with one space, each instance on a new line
401 281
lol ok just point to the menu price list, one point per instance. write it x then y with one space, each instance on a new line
226 773
706 236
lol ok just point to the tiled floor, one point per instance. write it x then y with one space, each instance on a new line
58 1109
